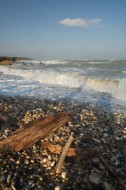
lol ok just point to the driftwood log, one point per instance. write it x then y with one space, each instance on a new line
84 153
33 131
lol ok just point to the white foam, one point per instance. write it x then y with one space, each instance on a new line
44 77
67 81
116 88
123 71
51 62
121 91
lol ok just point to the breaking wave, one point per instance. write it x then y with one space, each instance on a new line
98 82
116 88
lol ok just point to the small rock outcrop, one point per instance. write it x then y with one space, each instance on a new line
6 62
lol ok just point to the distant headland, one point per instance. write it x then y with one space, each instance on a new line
6 60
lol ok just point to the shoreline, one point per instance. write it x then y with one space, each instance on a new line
110 109
93 127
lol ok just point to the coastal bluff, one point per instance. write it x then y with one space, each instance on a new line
5 60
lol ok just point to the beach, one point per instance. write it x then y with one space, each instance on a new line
63 95
34 167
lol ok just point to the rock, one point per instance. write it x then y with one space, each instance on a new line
6 62
124 137
26 162
124 153
107 186
101 166
105 135
95 159
57 187
56 139
52 163
44 162
64 174
96 140
94 178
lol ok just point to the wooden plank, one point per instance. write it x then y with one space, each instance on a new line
33 131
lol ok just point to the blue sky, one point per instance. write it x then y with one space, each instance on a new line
63 29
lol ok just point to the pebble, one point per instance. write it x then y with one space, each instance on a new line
96 140
95 159
26 162
105 135
94 178
17 162
36 166
52 163
64 174
57 187
107 186
9 178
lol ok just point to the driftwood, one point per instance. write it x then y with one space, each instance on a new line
84 153
33 131
64 153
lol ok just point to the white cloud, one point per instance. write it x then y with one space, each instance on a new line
94 22
78 22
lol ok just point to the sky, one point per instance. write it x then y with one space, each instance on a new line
63 29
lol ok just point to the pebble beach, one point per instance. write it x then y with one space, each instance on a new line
34 168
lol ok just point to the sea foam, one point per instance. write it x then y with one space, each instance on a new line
74 79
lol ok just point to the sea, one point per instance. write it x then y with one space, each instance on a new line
94 82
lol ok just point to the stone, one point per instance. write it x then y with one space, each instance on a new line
57 187
105 135
26 162
6 62
64 174
107 186
94 178
95 159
